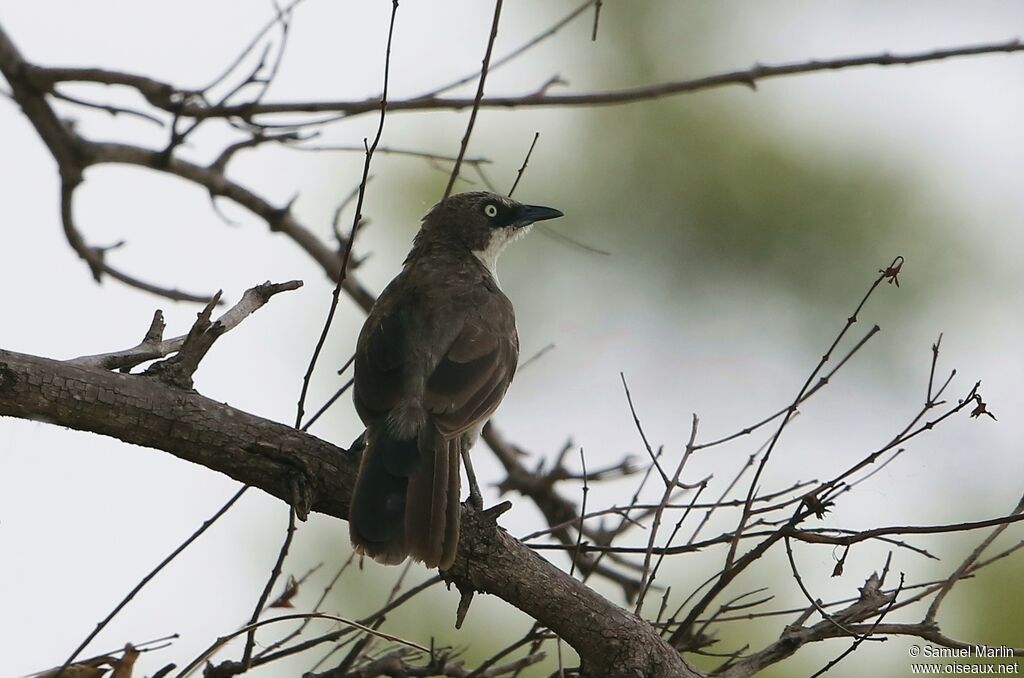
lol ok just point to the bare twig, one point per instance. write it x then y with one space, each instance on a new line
250 639
897 262
293 617
746 77
1000 525
522 168
643 436
646 576
153 346
333 636
530 44
597 18
155 571
822 382
300 410
476 100
276 20
327 405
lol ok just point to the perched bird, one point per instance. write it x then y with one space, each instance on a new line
433 361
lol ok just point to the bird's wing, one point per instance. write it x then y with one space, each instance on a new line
470 380
397 356
384 357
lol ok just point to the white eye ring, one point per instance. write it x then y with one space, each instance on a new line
490 210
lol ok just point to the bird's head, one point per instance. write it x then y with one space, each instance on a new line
483 222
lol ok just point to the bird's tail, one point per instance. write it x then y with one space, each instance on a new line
406 498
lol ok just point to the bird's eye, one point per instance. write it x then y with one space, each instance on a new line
491 210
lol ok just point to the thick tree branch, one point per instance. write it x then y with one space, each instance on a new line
271 456
144 411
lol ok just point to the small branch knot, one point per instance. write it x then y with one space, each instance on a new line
177 370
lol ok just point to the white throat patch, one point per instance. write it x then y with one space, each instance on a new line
500 238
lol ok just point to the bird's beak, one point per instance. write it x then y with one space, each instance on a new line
528 214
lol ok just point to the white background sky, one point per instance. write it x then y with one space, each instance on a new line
82 518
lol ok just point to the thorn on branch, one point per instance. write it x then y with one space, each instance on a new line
553 81
981 408
291 588
818 507
891 273
493 513
465 601
278 216
837 571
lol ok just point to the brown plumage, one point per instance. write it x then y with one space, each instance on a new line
433 361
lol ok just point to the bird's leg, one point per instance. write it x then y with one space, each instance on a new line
476 500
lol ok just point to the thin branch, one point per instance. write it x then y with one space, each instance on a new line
860 639
530 44
476 100
153 347
250 639
535 357
646 576
292 617
276 20
874 533
155 571
597 18
822 382
316 608
522 168
356 219
815 603
333 636
327 405
643 436
746 77
96 259
563 239
1000 525
583 512
385 150
112 110
791 410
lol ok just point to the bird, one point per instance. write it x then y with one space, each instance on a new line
433 360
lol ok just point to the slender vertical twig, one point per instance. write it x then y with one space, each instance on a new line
355 224
250 638
645 575
597 19
888 273
522 168
476 101
300 409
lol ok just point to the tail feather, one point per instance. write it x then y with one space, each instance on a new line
426 507
451 532
406 498
375 519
